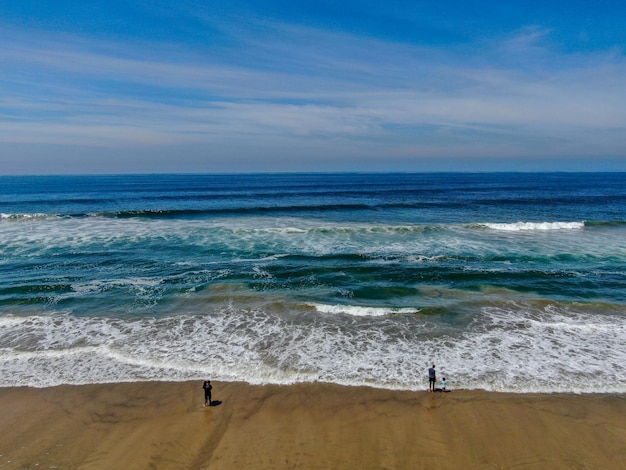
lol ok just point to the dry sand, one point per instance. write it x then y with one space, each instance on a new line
164 426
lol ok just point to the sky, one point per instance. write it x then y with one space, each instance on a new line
195 86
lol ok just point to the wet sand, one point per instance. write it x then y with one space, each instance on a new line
165 426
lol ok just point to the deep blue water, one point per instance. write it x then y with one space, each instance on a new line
509 281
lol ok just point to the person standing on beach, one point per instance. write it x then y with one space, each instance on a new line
207 392
432 379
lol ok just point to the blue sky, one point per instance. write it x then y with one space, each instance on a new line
237 86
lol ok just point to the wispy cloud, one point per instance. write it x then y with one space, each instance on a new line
512 96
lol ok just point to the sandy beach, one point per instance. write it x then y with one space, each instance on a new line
165 425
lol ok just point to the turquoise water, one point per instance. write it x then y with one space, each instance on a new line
511 282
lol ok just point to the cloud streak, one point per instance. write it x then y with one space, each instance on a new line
291 85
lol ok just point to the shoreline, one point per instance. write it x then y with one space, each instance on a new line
307 425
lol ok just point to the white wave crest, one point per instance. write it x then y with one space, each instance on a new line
521 226
359 311
21 217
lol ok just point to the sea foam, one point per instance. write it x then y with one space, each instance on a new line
519 226
360 311
510 347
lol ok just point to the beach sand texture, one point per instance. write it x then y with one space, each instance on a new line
163 425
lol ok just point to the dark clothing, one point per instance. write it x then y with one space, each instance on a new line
432 378
207 392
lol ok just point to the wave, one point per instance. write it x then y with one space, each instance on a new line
21 217
361 311
174 213
605 223
506 346
528 226
306 224
196 213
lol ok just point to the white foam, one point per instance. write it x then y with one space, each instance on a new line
20 217
513 347
523 226
360 311
137 284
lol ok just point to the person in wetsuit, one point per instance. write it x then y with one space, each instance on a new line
207 392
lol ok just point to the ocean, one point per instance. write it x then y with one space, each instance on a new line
508 282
